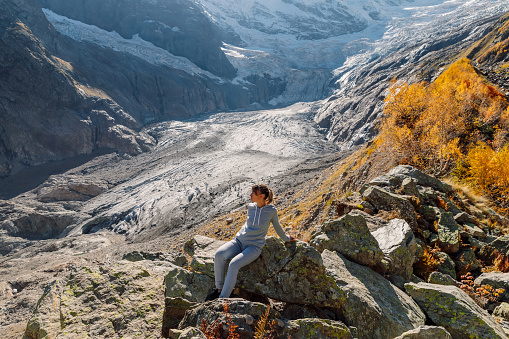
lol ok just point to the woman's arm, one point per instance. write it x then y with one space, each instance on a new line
279 229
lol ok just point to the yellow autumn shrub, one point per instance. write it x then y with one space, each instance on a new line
457 120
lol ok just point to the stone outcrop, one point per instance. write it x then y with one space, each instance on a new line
494 279
450 307
350 236
373 305
102 302
328 288
398 244
448 233
387 201
297 273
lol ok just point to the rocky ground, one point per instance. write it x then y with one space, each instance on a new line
115 204
365 274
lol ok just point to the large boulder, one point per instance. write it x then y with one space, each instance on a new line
398 244
495 280
108 301
350 236
373 305
402 172
440 278
502 311
320 329
242 313
192 286
247 315
384 200
446 265
450 307
466 261
291 272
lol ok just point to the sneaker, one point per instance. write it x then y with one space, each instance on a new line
214 295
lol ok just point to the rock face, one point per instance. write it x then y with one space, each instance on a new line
349 235
450 307
350 114
187 32
63 98
297 273
376 307
398 244
102 302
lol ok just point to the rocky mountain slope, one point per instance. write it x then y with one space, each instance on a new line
411 50
76 226
360 276
62 98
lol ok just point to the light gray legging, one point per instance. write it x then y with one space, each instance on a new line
241 257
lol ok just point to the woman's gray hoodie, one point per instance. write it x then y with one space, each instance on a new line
255 229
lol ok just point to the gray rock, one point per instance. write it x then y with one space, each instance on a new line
386 180
387 201
466 261
426 332
494 279
428 193
373 222
350 236
203 249
450 307
473 230
106 301
191 286
238 310
447 265
451 206
373 305
464 217
397 242
440 278
430 213
501 244
320 329
448 233
502 311
174 310
189 333
423 179
291 272
475 243
409 186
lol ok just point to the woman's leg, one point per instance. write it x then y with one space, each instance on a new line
247 256
223 253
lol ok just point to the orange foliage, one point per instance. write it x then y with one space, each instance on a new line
482 294
431 126
216 329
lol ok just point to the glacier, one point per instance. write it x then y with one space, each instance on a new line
307 43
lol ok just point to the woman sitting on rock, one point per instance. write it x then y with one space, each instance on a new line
248 242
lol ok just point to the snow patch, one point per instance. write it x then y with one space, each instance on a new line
135 46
